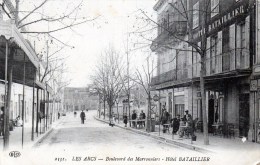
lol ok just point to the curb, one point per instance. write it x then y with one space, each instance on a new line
163 139
46 134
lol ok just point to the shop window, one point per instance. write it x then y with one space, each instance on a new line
179 109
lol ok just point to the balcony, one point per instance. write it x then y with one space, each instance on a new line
170 76
177 28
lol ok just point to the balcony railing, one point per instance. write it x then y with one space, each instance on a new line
172 75
176 28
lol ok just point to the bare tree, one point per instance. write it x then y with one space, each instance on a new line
143 77
107 77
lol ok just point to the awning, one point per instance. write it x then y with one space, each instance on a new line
9 31
24 55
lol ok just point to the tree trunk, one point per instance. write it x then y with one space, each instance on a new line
110 111
117 113
128 97
203 99
99 105
203 72
104 109
148 119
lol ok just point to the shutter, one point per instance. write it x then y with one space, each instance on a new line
194 62
219 53
232 46
208 57
238 46
189 63
246 52
198 61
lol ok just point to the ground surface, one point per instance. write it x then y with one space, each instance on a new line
96 142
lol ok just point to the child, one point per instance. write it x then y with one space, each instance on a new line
182 128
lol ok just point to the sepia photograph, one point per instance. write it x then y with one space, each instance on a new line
135 82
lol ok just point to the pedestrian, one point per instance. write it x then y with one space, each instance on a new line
2 122
186 116
134 117
58 115
125 119
112 121
142 117
75 113
82 116
175 124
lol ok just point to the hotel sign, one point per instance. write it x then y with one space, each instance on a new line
225 19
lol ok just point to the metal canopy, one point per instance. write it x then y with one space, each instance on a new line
23 54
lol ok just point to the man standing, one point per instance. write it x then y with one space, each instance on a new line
142 116
125 119
186 116
82 116
134 116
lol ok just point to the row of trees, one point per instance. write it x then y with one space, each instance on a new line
113 80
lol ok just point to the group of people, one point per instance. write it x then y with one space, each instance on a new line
141 117
135 119
183 126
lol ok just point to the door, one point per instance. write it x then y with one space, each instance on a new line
243 115
211 114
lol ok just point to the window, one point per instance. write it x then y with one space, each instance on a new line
196 15
241 47
179 109
214 7
243 37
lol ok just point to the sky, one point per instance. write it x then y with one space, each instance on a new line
117 17
85 42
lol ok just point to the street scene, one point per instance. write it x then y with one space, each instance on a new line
130 82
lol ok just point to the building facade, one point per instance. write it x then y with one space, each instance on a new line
231 80
79 99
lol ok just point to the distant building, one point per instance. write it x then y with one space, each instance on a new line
79 99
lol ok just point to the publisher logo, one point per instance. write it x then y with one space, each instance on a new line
14 154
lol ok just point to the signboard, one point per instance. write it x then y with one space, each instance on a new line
155 98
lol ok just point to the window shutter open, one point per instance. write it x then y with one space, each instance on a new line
208 57
219 52
232 46
246 52
238 46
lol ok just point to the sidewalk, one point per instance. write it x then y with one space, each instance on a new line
217 143
15 138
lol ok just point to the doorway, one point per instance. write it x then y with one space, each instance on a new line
211 113
243 115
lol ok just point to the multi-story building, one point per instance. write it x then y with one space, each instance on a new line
232 62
